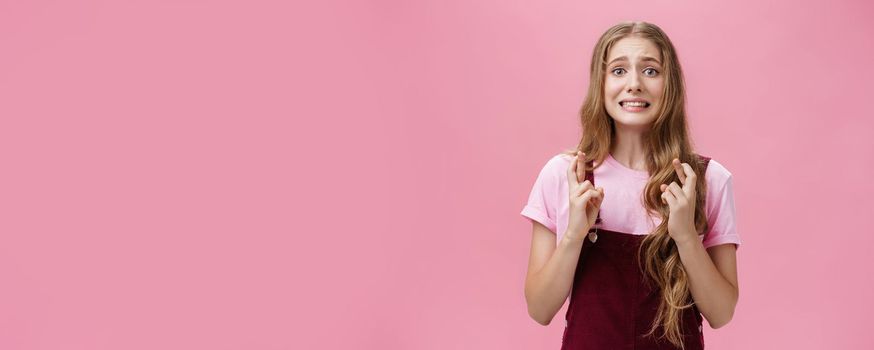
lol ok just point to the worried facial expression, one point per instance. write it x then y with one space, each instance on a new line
634 82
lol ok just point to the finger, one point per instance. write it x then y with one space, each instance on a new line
583 187
581 166
591 211
592 199
663 187
589 195
691 180
669 199
675 189
572 174
600 198
678 168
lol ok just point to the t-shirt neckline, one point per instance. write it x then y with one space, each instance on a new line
636 173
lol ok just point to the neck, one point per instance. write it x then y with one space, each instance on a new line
628 148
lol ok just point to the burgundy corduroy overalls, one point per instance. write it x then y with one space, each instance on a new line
612 304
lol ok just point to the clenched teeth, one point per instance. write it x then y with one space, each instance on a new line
634 104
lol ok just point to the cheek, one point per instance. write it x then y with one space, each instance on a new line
612 88
657 88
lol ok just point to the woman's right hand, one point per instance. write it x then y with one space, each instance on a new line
585 200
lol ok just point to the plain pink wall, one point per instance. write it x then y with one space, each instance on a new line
265 175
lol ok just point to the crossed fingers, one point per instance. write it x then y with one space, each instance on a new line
576 173
673 192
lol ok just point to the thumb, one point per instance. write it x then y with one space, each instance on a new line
600 198
588 197
594 204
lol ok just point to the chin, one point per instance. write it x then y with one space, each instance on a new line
633 119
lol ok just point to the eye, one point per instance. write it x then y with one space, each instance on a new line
654 72
615 69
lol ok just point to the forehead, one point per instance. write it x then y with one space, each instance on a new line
634 49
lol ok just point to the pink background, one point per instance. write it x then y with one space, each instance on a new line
259 175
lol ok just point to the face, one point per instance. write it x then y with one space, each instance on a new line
634 82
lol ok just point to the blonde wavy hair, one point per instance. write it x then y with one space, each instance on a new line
667 139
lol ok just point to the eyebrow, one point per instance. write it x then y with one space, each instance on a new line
644 59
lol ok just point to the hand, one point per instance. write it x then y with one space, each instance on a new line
585 200
681 202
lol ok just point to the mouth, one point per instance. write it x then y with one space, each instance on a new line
634 106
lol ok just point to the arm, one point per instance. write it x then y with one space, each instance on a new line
712 279
712 272
551 269
550 273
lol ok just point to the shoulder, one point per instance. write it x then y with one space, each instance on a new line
716 175
560 160
557 165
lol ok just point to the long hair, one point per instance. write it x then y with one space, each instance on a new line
667 139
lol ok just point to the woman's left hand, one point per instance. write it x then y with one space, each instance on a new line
681 202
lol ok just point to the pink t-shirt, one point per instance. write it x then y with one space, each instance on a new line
622 209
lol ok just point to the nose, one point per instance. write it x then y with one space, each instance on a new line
633 82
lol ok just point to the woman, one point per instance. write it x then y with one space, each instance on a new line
651 249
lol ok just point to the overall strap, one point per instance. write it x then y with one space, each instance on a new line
704 160
591 177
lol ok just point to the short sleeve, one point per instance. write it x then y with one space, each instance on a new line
721 214
541 205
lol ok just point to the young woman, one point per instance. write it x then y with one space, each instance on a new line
650 248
